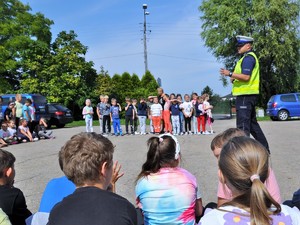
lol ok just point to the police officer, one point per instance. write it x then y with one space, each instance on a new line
245 79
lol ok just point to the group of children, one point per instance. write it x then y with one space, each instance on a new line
166 193
167 114
19 123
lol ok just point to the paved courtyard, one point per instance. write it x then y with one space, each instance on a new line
37 162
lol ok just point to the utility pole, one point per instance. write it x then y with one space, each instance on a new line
145 38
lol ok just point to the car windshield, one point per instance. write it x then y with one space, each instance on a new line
39 99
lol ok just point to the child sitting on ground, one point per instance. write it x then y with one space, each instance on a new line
12 200
165 192
224 193
5 134
12 128
244 168
24 133
41 130
87 160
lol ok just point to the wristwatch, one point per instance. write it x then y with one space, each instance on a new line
230 74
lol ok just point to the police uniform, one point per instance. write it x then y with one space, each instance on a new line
246 93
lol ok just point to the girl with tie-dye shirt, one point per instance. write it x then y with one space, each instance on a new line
166 193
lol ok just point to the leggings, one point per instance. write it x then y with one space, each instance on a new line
187 123
201 121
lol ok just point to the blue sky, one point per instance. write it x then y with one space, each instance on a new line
112 30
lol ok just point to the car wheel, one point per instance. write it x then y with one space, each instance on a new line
283 115
60 125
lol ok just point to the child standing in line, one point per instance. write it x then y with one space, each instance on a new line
41 130
115 117
142 114
166 114
99 112
88 113
187 108
129 115
175 111
156 115
18 110
135 119
181 117
200 116
195 105
105 112
1 113
207 108
26 112
149 104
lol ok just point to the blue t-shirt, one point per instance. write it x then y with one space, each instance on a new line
248 64
114 110
104 109
24 110
175 109
55 191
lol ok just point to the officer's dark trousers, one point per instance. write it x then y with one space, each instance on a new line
246 118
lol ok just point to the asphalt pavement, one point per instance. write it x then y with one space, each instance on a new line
37 163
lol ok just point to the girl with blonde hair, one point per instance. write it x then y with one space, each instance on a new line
244 167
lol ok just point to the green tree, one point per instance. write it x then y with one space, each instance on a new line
273 24
207 90
148 81
20 31
103 83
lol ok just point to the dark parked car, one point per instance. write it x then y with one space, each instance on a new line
283 106
59 115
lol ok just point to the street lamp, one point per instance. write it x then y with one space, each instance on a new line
145 37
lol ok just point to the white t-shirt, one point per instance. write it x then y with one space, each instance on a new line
156 109
206 104
187 107
232 215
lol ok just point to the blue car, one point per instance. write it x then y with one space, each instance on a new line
283 106
38 102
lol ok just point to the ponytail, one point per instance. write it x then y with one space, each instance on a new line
161 153
260 201
245 165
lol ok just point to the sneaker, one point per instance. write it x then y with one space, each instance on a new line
24 141
190 133
211 131
186 133
206 132
35 139
136 132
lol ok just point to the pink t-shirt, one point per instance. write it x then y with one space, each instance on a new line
167 105
271 184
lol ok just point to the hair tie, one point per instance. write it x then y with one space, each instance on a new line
177 151
254 177
160 139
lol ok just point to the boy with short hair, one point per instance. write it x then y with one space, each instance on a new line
142 114
12 199
91 203
115 110
105 112
129 115
26 112
99 112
